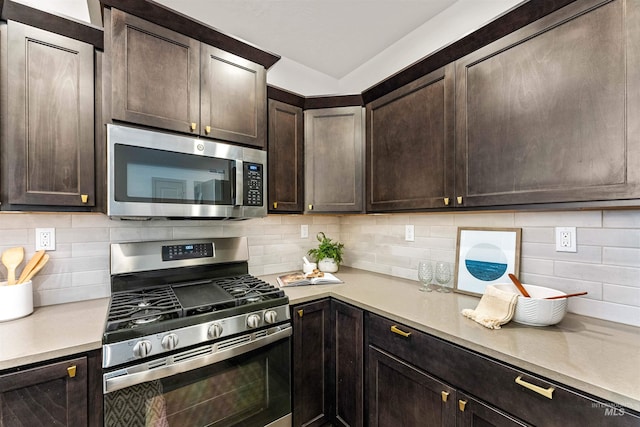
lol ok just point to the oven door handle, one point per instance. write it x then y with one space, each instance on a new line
183 362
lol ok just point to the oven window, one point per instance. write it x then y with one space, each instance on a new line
149 175
248 390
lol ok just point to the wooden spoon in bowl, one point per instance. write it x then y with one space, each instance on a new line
521 288
567 296
30 265
12 258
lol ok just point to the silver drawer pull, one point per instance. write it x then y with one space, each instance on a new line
546 392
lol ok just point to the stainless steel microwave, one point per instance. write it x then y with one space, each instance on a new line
152 174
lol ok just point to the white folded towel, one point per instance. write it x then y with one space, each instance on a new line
496 307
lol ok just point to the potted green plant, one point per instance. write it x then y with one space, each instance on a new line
328 254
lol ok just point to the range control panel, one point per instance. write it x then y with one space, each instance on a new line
253 184
187 251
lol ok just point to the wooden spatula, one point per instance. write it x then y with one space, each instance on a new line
12 258
30 265
38 267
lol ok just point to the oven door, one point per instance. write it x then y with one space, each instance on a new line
227 383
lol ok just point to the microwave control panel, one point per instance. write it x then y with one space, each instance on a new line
253 184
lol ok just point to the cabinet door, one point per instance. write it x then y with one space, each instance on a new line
474 413
311 363
233 98
155 74
541 114
410 147
49 149
402 395
347 361
52 395
285 156
334 160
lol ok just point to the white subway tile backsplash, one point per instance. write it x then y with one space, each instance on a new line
621 256
607 263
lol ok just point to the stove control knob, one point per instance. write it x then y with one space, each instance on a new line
170 341
142 348
215 330
253 321
270 317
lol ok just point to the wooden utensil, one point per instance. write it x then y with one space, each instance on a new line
32 263
521 288
37 267
567 296
12 258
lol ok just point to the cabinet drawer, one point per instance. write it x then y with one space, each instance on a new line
517 392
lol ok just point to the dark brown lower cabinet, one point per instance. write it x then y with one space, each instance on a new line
50 395
328 383
474 413
347 324
311 363
402 395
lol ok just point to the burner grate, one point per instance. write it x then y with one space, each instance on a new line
248 289
133 308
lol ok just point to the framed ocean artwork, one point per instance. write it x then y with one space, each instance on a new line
485 256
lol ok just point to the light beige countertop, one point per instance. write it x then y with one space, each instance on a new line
53 331
599 357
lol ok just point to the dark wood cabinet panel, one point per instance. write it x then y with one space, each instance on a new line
233 98
52 395
312 363
494 382
285 157
48 119
401 395
474 413
155 74
410 148
348 363
541 114
334 160
167 80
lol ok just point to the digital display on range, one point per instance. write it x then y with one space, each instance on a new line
187 251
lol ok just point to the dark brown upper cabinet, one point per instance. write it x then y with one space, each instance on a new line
551 113
285 157
334 160
47 119
410 147
164 79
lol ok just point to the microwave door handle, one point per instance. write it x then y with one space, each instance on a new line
237 194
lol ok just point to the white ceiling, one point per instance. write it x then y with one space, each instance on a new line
331 36
329 46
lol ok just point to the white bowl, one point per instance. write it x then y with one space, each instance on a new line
15 301
537 311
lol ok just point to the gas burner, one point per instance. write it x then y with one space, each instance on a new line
150 316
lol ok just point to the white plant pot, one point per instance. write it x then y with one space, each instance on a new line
328 265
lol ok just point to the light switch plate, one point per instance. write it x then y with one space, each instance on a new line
304 231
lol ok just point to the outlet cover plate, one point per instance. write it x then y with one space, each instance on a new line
409 233
566 239
45 239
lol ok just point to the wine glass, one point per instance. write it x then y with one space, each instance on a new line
443 275
425 274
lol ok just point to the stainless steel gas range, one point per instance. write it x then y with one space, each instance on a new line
192 339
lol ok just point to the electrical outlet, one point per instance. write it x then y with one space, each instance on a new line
409 233
304 231
566 239
46 239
